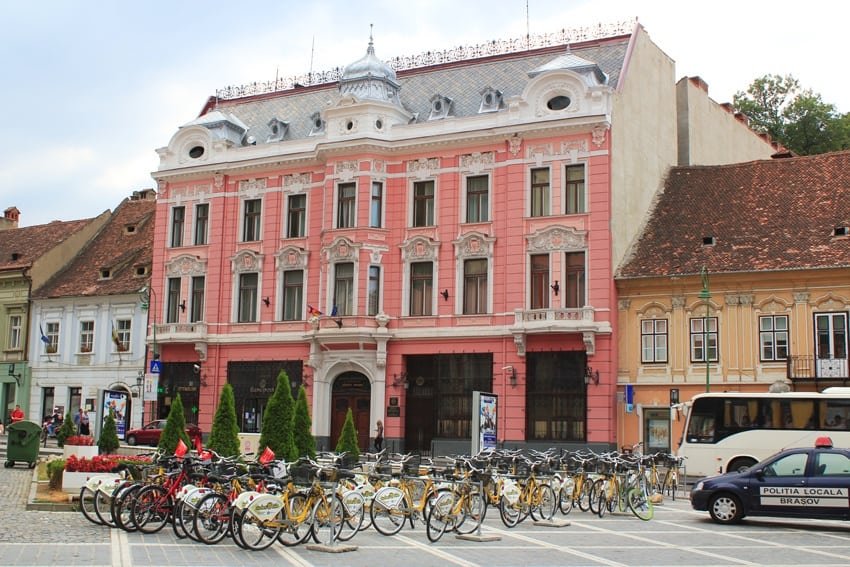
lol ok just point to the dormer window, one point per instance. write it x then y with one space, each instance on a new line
841 231
441 107
318 125
277 130
196 152
141 271
105 274
491 100
708 241
130 229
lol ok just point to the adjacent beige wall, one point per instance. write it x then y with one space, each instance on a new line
709 133
643 138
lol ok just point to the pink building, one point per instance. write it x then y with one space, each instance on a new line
398 235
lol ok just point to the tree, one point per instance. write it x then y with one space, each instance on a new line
224 436
108 442
67 429
796 118
175 428
277 421
347 443
302 427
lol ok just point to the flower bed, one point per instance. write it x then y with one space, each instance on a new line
100 463
83 440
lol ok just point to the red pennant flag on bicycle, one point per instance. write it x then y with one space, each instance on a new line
181 449
267 456
199 446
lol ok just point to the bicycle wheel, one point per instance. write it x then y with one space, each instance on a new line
511 514
596 492
87 496
389 519
584 495
296 521
212 518
151 509
474 511
545 503
639 504
102 506
440 516
121 507
177 525
233 527
565 495
354 510
257 534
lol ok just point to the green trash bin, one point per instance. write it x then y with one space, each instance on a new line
22 441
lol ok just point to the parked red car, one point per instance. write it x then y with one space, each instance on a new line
150 433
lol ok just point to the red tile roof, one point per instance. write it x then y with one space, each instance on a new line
20 247
764 215
115 249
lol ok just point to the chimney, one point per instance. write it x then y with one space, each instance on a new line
10 218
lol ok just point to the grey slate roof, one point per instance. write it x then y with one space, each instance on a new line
461 81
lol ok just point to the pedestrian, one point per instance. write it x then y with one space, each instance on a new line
379 436
84 422
17 414
77 420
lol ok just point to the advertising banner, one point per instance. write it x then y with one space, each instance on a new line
484 420
117 404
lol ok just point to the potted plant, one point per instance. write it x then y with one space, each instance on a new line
80 445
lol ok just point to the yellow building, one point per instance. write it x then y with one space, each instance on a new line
749 259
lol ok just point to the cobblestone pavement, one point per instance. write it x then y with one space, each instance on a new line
677 536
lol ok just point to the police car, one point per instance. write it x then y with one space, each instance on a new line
796 483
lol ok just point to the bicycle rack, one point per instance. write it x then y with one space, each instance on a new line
332 546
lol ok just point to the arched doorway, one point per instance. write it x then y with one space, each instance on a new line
351 390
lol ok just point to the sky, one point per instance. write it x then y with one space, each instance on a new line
92 88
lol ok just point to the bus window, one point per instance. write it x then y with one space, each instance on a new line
701 429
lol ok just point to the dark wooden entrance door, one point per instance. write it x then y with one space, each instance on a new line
351 390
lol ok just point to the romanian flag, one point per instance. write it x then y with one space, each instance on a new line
181 449
267 456
312 311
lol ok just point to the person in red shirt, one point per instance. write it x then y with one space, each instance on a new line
17 414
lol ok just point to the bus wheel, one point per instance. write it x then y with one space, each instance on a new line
740 464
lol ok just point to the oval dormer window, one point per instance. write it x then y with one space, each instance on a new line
196 152
559 102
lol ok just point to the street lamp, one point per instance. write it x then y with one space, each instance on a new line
705 295
145 295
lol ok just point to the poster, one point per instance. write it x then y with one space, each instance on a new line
485 419
151 388
116 403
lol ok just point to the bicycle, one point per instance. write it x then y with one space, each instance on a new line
407 498
452 509
530 495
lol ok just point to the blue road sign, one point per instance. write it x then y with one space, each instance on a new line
156 367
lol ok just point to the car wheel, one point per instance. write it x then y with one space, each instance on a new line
740 465
131 440
726 509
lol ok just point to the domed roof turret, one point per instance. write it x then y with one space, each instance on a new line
370 78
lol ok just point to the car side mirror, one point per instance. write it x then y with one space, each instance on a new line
759 474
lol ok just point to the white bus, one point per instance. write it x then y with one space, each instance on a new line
727 432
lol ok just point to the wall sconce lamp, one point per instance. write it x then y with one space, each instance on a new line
267 301
510 372
556 287
183 306
400 380
305 379
13 374
591 375
140 383
445 294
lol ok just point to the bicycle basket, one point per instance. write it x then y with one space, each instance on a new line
328 474
411 465
302 474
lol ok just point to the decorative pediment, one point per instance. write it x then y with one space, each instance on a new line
419 248
252 187
186 265
474 245
557 238
342 250
291 258
477 161
247 261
